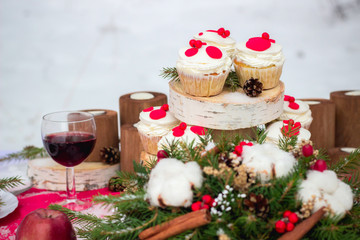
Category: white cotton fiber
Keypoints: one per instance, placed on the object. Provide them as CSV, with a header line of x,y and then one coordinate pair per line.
x,y
326,180
171,181
329,191
263,157
193,171
307,190
345,195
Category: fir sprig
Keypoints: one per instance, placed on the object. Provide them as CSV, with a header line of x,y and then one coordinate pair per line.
x,y
169,73
232,81
28,152
10,182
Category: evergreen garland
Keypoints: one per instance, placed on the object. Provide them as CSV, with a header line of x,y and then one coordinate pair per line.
x,y
134,214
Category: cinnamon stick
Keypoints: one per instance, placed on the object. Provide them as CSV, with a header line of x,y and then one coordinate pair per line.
x,y
177,225
301,229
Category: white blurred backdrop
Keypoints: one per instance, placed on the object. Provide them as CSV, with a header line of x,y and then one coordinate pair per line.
x,y
69,55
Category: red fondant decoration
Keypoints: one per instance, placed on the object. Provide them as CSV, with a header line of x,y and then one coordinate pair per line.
x,y
177,132
221,31
214,52
226,34
290,128
165,107
183,126
200,34
157,114
260,43
148,109
294,105
198,130
192,42
191,52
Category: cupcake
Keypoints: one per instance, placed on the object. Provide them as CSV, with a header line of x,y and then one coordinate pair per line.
x,y
275,129
183,134
260,58
202,69
155,122
219,38
297,110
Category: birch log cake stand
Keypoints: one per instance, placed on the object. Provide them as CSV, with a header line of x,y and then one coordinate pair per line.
x,y
229,112
45,173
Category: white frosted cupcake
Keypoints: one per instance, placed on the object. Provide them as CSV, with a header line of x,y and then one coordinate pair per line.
x,y
219,38
260,58
297,110
202,69
154,123
274,132
182,134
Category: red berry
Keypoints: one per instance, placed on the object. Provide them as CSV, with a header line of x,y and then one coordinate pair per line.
x,y
291,122
205,206
196,206
238,150
182,126
165,107
198,44
265,35
192,42
320,165
221,31
287,213
280,226
162,154
293,218
289,227
307,150
207,199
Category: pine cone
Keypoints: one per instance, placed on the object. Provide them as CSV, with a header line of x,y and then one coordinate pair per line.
x,y
253,87
257,204
224,158
114,185
110,155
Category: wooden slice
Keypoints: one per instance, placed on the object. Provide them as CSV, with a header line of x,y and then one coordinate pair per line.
x,y
347,116
322,127
45,173
130,105
131,147
228,110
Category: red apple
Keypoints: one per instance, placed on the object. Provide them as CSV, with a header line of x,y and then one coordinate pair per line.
x,y
45,224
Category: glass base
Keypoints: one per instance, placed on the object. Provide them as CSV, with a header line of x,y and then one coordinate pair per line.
x,y
75,204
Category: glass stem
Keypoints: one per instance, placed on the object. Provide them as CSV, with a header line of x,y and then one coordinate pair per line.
x,y
70,184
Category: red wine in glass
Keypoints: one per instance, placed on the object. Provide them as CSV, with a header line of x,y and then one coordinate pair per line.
x,y
69,138
69,148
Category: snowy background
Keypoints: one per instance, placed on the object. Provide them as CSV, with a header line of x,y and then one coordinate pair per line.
x,y
69,55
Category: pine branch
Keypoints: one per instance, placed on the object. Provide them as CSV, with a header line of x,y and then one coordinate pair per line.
x,y
169,73
29,152
349,164
232,81
260,134
10,182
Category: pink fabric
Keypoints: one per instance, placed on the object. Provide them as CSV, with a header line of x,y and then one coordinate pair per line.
x,y
34,199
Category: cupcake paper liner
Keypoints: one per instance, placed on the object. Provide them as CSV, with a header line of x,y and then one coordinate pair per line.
x,y
201,85
269,76
149,142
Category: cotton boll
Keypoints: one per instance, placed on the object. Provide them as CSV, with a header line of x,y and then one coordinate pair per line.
x,y
170,183
326,180
177,192
344,195
319,203
307,190
193,173
335,205
264,157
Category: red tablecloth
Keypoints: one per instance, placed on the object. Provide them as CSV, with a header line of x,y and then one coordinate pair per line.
x,y
34,199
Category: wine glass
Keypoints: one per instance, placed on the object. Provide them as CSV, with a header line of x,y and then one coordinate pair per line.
x,y
69,137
